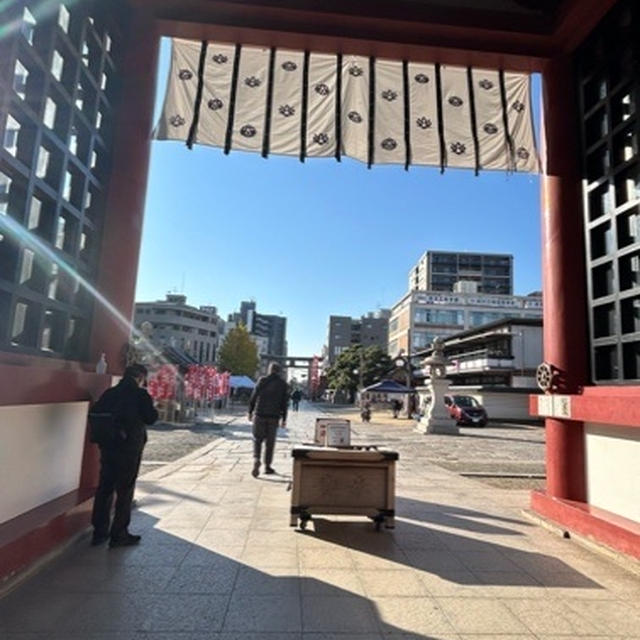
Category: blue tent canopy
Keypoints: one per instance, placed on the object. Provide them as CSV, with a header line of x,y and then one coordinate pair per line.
x,y
241,382
388,386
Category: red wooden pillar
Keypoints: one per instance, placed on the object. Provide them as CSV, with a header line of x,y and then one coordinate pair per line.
x,y
121,237
564,281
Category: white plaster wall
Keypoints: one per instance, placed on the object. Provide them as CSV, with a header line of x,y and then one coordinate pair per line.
x,y
613,469
41,450
500,406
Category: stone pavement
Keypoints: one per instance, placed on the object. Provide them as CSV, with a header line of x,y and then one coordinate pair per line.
x,y
219,561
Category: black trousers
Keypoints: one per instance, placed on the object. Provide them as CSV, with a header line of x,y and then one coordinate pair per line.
x,y
264,429
118,472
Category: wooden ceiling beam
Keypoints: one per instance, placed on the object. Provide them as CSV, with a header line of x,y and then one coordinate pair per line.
x,y
464,37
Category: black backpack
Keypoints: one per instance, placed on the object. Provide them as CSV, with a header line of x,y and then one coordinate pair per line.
x,y
105,427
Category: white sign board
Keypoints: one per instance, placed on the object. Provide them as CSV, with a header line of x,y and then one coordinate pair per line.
x,y
554,406
332,433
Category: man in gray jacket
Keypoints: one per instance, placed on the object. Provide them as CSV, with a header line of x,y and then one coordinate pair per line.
x,y
267,409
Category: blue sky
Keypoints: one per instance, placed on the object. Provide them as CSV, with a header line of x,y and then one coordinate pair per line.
x,y
321,238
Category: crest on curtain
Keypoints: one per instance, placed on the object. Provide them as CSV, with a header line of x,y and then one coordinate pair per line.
x,y
377,111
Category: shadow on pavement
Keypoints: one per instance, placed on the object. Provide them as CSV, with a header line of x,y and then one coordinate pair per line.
x,y
455,517
501,438
457,558
168,585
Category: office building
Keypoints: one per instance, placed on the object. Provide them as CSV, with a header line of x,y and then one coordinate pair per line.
x,y
453,270
174,323
369,330
420,316
272,327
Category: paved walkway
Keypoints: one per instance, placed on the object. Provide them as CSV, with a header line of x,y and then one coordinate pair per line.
x,y
218,561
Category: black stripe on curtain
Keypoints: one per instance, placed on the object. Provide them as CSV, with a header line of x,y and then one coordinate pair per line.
x,y
511,161
266,139
474,121
372,111
443,148
338,152
198,101
407,114
232,99
305,106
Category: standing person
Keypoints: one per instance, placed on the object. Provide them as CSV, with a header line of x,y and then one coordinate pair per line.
x,y
268,402
396,407
296,396
130,408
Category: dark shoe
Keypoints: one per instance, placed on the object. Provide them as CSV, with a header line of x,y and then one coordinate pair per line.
x,y
270,470
128,540
97,540
255,472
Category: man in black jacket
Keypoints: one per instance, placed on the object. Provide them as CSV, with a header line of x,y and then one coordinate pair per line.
x,y
268,402
132,409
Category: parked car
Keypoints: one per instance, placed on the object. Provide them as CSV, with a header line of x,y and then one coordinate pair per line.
x,y
466,410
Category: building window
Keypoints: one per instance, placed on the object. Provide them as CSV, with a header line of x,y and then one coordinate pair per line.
x,y
421,339
42,164
19,322
57,65
11,133
59,242
478,318
34,213
63,18
73,141
49,113
5,186
66,187
20,76
438,316
28,26
26,271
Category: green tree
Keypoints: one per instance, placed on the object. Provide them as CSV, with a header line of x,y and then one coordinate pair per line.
x,y
238,353
372,363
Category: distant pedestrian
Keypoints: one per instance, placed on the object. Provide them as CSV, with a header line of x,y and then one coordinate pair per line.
x,y
296,396
267,409
126,410
396,407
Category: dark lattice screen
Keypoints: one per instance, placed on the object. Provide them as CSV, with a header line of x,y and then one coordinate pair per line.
x,y
58,83
608,76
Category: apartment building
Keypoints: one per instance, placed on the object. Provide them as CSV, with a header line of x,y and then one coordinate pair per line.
x,y
368,330
443,270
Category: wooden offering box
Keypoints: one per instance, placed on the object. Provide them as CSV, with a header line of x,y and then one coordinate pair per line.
x,y
345,481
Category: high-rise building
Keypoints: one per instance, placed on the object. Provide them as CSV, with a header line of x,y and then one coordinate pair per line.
x,y
443,270
369,330
174,323
272,327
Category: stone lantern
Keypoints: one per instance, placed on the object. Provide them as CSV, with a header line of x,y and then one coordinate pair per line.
x,y
435,418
